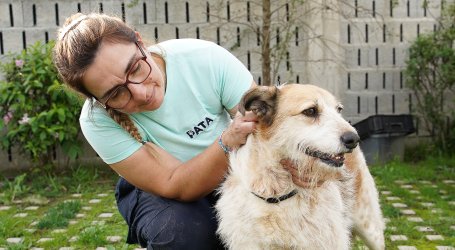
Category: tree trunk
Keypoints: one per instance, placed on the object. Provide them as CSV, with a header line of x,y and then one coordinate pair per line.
x,y
265,48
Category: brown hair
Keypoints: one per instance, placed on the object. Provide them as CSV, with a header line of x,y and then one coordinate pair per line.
x,y
76,47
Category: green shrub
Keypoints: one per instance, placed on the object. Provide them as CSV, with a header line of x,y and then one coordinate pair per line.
x,y
38,111
58,217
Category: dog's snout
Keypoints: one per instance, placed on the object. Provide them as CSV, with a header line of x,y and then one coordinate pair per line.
x,y
350,139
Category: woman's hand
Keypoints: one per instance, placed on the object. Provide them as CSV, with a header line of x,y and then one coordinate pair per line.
x,y
241,126
301,181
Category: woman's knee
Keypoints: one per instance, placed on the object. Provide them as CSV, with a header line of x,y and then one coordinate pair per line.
x,y
181,226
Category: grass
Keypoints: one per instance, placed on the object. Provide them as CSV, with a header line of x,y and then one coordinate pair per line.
x,y
74,199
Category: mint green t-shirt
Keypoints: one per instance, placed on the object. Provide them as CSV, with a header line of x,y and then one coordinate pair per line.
x,y
203,81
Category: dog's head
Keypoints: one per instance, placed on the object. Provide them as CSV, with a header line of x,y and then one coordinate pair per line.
x,y
303,122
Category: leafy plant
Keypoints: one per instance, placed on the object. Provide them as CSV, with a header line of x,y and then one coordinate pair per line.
x,y
93,236
38,112
60,215
14,188
430,74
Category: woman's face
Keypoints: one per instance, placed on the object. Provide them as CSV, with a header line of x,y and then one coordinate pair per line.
x,y
112,64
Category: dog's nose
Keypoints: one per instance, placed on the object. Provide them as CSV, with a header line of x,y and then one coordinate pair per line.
x,y
350,139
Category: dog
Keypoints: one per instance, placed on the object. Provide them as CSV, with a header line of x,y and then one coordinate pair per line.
x,y
260,207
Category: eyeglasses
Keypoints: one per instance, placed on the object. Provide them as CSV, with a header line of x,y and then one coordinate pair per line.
x,y
120,96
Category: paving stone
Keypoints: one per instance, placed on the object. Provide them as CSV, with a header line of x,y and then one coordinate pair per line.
x,y
18,201
105,215
407,186
445,197
398,237
20,215
102,195
140,249
434,186
86,208
427,204
442,191
452,227
31,208
392,198
4,208
36,248
415,219
73,239
30,230
387,220
97,222
424,229
66,248
94,201
15,240
407,212
452,203
59,231
386,192
400,182
44,240
448,181
414,191
434,237
100,248
444,248
34,223
425,182
80,215
407,248
398,205
76,195
72,222
114,238
392,228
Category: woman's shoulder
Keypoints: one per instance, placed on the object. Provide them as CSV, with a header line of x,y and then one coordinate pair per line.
x,y
182,46
92,112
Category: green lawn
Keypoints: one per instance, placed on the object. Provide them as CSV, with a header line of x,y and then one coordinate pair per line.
x,y
76,208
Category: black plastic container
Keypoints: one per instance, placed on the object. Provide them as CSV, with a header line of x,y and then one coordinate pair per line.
x,y
382,137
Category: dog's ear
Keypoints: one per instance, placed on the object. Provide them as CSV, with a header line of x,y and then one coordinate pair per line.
x,y
262,101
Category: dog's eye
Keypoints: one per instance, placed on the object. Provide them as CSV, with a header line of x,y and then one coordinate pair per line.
x,y
311,112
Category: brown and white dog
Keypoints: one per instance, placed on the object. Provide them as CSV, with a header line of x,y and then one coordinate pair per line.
x,y
261,208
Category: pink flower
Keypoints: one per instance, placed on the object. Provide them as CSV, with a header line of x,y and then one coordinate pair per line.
x,y
19,63
25,119
7,118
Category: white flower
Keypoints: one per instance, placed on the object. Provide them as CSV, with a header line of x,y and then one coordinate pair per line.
x,y
25,119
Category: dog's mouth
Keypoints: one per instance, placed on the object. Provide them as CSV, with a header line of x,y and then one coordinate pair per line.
x,y
334,160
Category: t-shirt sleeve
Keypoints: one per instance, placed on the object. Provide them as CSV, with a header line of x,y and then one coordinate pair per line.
x,y
232,76
109,140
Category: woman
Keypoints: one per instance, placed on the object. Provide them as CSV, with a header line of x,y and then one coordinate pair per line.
x,y
160,118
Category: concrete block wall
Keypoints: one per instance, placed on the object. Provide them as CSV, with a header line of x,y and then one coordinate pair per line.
x,y
362,64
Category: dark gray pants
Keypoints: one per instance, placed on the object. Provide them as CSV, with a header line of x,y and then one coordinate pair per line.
x,y
159,223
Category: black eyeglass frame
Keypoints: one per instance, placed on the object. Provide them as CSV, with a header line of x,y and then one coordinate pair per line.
x,y
125,84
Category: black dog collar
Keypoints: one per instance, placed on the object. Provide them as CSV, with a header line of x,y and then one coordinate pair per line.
x,y
277,199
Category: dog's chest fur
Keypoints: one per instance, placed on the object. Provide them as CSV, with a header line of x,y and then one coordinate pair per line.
x,y
304,221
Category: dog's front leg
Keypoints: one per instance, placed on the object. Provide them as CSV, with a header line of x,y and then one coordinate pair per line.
x,y
368,220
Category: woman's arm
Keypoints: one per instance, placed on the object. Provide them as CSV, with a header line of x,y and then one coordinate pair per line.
x,y
154,170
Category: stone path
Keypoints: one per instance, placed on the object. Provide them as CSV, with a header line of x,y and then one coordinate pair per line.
x,y
412,213
100,210
88,203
